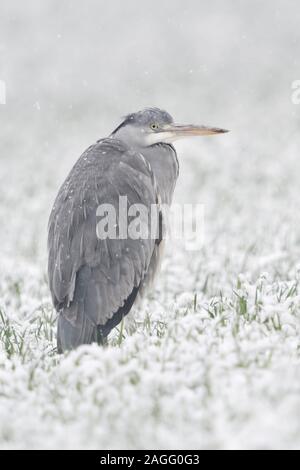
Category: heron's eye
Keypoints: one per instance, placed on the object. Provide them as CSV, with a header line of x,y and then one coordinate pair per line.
x,y
154,126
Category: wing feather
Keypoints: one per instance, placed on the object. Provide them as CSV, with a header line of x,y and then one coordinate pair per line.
x,y
87,274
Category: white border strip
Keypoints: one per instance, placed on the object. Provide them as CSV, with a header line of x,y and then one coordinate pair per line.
x,y
2,92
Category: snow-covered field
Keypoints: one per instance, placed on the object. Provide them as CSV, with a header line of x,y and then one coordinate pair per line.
x,y
212,359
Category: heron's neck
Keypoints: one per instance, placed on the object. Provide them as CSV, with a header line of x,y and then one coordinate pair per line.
x,y
162,159
164,163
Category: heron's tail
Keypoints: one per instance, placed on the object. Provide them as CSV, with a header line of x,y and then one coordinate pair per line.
x,y
75,326
70,336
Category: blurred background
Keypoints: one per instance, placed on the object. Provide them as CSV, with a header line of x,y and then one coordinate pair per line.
x,y
73,69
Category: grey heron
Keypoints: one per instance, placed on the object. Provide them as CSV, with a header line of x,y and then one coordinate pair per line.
x,y
95,281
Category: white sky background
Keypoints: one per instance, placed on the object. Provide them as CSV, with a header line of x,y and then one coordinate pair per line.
x,y
200,60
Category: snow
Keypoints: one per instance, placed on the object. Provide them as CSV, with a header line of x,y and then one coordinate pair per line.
x,y
212,357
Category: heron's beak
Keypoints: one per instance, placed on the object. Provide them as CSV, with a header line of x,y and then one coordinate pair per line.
x,y
177,131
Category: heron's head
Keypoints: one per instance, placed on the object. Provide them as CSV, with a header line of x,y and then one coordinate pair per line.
x,y
152,126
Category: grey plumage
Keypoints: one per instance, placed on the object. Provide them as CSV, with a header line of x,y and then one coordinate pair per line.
x,y
95,282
